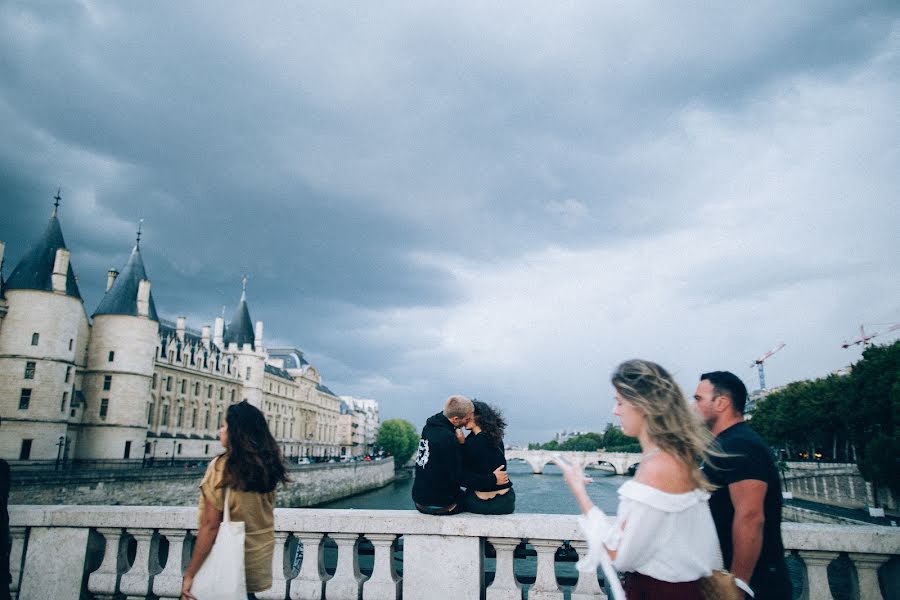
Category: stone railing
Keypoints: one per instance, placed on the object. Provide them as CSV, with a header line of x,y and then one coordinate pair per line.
x,y
72,552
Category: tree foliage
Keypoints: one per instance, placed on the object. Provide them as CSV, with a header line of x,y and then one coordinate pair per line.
x,y
399,438
853,418
611,440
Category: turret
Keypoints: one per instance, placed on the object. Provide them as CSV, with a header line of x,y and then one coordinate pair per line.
x,y
241,342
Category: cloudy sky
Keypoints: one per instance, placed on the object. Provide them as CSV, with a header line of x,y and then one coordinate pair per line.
x,y
503,200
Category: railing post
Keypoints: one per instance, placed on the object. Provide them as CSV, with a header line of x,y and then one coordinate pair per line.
x,y
545,585
817,562
104,579
442,566
588,587
867,573
54,563
504,586
135,583
168,583
16,554
279,584
383,584
346,581
308,583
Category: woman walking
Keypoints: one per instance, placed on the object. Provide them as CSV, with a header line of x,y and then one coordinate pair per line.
x,y
482,454
249,470
663,538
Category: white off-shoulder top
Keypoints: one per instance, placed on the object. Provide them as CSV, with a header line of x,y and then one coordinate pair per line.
x,y
670,537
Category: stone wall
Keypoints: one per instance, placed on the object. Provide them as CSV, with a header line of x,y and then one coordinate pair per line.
x,y
310,485
837,485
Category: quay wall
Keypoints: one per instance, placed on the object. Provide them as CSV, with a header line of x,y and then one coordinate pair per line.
x,y
836,485
309,485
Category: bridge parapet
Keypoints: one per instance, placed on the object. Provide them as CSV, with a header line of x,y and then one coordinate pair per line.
x,y
67,552
538,459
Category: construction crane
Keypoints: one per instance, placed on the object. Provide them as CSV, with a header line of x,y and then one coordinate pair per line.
x,y
758,363
864,338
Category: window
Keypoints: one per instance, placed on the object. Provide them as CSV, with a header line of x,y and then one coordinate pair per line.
x,y
183,385
107,382
127,450
219,420
25,399
104,407
248,373
194,418
179,416
232,396
153,385
206,449
221,392
150,414
62,405
169,383
35,337
209,391
179,448
110,358
29,369
25,451
164,419
197,388
70,343
68,374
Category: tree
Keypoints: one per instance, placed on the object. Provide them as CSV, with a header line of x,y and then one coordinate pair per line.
x,y
399,438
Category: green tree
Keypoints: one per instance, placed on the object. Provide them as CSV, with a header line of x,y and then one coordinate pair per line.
x,y
399,438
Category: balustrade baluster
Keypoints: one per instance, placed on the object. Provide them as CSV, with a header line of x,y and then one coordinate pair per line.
x,y
135,583
308,583
545,585
384,583
103,580
867,573
817,562
279,583
504,586
168,583
16,554
588,587
346,581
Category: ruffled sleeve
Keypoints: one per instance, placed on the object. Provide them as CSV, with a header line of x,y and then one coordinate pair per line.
x,y
594,526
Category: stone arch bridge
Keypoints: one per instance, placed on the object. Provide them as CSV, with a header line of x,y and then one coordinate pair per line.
x,y
621,462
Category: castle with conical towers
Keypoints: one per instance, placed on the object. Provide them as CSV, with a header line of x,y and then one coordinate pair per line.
x,y
127,384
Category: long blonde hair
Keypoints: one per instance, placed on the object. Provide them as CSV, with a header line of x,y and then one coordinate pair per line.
x,y
671,424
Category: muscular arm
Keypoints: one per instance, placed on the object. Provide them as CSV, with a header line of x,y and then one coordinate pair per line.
x,y
747,528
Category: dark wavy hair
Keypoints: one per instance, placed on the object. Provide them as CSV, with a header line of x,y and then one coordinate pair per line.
x,y
253,460
491,421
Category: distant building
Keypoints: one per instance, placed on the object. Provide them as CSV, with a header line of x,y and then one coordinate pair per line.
x,y
125,383
368,422
561,437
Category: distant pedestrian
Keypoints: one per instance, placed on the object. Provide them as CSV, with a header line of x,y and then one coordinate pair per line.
x,y
663,538
746,505
482,455
252,467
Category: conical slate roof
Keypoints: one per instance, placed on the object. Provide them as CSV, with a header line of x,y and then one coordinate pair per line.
x,y
240,330
35,270
121,298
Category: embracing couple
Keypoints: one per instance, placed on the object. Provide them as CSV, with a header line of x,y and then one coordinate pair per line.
x,y
447,461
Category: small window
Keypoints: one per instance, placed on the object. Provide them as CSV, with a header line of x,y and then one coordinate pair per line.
x,y
209,391
219,420
62,405
107,382
104,407
169,383
232,396
25,451
127,450
110,358
164,418
150,414
68,374
155,381
35,338
71,341
179,416
206,420
29,369
206,449
248,373
24,398
72,413
197,388
221,392
194,418
179,448
183,385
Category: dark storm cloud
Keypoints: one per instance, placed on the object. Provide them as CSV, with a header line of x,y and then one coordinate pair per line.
x,y
412,190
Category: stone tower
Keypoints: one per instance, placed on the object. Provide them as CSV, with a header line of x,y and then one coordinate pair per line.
x,y
120,361
43,347
245,346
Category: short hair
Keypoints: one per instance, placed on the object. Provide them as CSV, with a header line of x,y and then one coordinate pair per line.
x,y
726,383
458,406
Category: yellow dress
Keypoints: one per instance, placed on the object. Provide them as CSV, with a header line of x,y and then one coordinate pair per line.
x,y
257,511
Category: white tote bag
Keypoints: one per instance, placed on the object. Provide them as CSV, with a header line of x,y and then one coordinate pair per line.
x,y
221,576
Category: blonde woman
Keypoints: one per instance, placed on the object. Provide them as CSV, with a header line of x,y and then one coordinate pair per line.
x,y
663,538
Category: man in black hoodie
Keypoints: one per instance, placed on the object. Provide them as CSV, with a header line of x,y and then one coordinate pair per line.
x,y
439,473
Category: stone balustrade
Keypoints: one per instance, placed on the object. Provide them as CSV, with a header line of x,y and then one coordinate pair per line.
x,y
71,552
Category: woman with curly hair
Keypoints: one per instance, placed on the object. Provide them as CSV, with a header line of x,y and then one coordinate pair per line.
x,y
249,470
482,454
663,538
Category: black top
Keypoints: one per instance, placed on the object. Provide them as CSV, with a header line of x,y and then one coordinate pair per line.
x,y
482,456
439,472
751,459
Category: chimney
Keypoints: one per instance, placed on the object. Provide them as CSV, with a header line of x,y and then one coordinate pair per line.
x,y
143,298
60,270
258,338
205,338
218,331
179,327
110,278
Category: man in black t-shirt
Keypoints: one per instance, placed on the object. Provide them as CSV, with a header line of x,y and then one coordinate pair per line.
x,y
746,505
